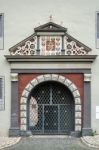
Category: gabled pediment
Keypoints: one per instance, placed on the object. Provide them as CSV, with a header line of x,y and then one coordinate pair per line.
x,y
49,27
50,43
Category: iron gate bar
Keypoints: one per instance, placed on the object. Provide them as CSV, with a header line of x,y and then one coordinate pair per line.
x,y
58,118
51,95
43,119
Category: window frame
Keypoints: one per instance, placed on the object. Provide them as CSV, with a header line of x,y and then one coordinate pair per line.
x,y
96,39
2,14
2,100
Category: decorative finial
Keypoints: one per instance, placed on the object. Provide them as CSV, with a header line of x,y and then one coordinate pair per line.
x,y
51,18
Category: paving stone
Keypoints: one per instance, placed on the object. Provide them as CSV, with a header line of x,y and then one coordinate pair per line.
x,y
6,141
50,143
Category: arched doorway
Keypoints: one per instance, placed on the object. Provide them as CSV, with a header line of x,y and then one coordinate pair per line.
x,y
50,82
51,109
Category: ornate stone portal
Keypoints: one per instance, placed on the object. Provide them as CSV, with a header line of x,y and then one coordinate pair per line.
x,y
50,77
50,39
50,54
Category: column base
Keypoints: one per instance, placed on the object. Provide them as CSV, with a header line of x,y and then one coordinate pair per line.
x,y
14,132
86,132
76,133
25,133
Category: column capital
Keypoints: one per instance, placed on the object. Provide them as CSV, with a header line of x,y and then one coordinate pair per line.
x,y
14,77
87,77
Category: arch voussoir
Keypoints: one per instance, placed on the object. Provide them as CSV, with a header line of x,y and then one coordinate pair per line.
x,y
40,78
29,87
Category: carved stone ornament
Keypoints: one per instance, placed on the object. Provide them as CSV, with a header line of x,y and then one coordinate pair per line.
x,y
50,39
14,76
73,48
87,77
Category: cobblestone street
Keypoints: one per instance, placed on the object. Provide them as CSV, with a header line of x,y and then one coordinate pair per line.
x,y
50,143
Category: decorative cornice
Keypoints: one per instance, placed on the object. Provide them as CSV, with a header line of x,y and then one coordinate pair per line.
x,y
52,58
87,77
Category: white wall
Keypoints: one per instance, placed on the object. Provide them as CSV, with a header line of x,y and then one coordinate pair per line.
x,y
20,18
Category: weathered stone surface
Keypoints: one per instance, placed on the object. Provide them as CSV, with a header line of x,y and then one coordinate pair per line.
x,y
40,78
29,87
78,128
22,107
34,82
23,100
23,127
87,77
23,114
54,77
23,121
61,79
47,77
77,100
25,93
77,114
76,93
67,82
78,108
14,77
72,87
77,121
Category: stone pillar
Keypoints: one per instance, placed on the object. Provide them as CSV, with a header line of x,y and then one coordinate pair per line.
x,y
62,50
38,44
14,128
86,130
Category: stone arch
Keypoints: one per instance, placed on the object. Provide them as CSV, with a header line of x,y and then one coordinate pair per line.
x,y
50,77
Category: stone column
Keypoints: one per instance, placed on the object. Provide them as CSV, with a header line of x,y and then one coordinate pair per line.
x,y
86,130
14,128
38,45
62,50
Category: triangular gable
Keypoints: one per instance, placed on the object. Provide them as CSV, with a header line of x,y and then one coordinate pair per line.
x,y
50,26
29,46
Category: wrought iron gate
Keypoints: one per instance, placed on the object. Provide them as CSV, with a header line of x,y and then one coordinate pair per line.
x,y
51,109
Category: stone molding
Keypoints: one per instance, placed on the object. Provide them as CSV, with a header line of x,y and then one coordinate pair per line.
x,y
87,77
51,58
14,77
50,77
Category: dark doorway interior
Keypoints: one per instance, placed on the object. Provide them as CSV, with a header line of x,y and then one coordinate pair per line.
x,y
55,111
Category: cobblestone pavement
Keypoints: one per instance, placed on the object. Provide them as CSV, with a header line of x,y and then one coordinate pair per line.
x,y
50,143
91,141
6,141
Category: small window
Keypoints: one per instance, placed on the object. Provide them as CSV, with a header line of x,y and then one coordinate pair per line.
x,y
1,31
1,93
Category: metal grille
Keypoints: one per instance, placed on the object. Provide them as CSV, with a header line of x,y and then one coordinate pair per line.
x,y
55,109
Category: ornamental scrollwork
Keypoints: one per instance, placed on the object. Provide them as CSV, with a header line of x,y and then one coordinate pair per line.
x,y
72,48
28,48
50,45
